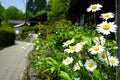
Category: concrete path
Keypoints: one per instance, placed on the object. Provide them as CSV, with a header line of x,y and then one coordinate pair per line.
x,y
12,61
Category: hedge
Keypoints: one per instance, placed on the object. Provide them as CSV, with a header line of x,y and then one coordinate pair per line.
x,y
7,36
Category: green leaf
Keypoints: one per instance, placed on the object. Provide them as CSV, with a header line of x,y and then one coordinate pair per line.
x,y
97,74
65,76
50,69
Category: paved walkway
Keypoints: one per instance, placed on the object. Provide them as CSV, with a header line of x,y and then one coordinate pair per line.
x,y
12,61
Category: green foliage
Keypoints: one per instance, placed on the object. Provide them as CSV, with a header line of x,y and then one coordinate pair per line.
x,y
29,14
39,5
29,6
7,36
41,12
65,76
27,30
58,9
48,54
2,12
36,5
14,13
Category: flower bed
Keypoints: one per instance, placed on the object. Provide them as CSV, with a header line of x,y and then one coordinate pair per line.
x,y
75,54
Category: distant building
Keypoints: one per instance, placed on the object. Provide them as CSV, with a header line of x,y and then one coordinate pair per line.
x,y
31,22
17,25
38,19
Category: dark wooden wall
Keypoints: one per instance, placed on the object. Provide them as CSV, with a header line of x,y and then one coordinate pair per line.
x,y
78,7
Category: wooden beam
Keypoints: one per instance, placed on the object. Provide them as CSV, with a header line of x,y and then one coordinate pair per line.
x,y
118,37
16,21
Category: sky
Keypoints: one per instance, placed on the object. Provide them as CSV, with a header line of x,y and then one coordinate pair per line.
x,y
20,4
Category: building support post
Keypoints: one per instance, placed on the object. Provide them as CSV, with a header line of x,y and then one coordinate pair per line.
x,y
117,8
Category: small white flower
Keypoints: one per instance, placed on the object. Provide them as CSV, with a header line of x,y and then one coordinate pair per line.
x,y
37,41
96,49
68,61
106,27
39,33
103,56
73,49
77,66
94,7
99,40
68,42
37,48
113,61
77,78
115,47
107,16
90,65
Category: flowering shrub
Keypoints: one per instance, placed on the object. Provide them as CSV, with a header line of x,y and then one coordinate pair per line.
x,y
75,54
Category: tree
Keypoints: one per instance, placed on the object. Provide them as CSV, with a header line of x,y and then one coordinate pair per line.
x,y
58,9
35,5
29,14
2,12
13,13
39,5
29,6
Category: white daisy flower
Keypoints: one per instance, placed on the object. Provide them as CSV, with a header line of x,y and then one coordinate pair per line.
x,y
68,42
113,61
81,43
77,66
107,16
68,61
94,7
90,65
96,49
99,40
103,56
73,49
106,27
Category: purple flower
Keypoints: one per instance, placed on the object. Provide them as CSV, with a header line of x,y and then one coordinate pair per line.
x,y
49,50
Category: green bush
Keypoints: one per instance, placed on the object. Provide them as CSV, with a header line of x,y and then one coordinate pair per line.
x,y
7,36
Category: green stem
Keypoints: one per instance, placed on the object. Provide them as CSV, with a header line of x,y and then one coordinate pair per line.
x,y
95,19
107,55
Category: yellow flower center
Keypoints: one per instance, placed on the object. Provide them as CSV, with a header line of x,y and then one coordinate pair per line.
x,y
77,66
100,39
112,61
93,6
106,27
107,15
104,55
90,65
73,48
68,41
67,60
96,48
81,42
